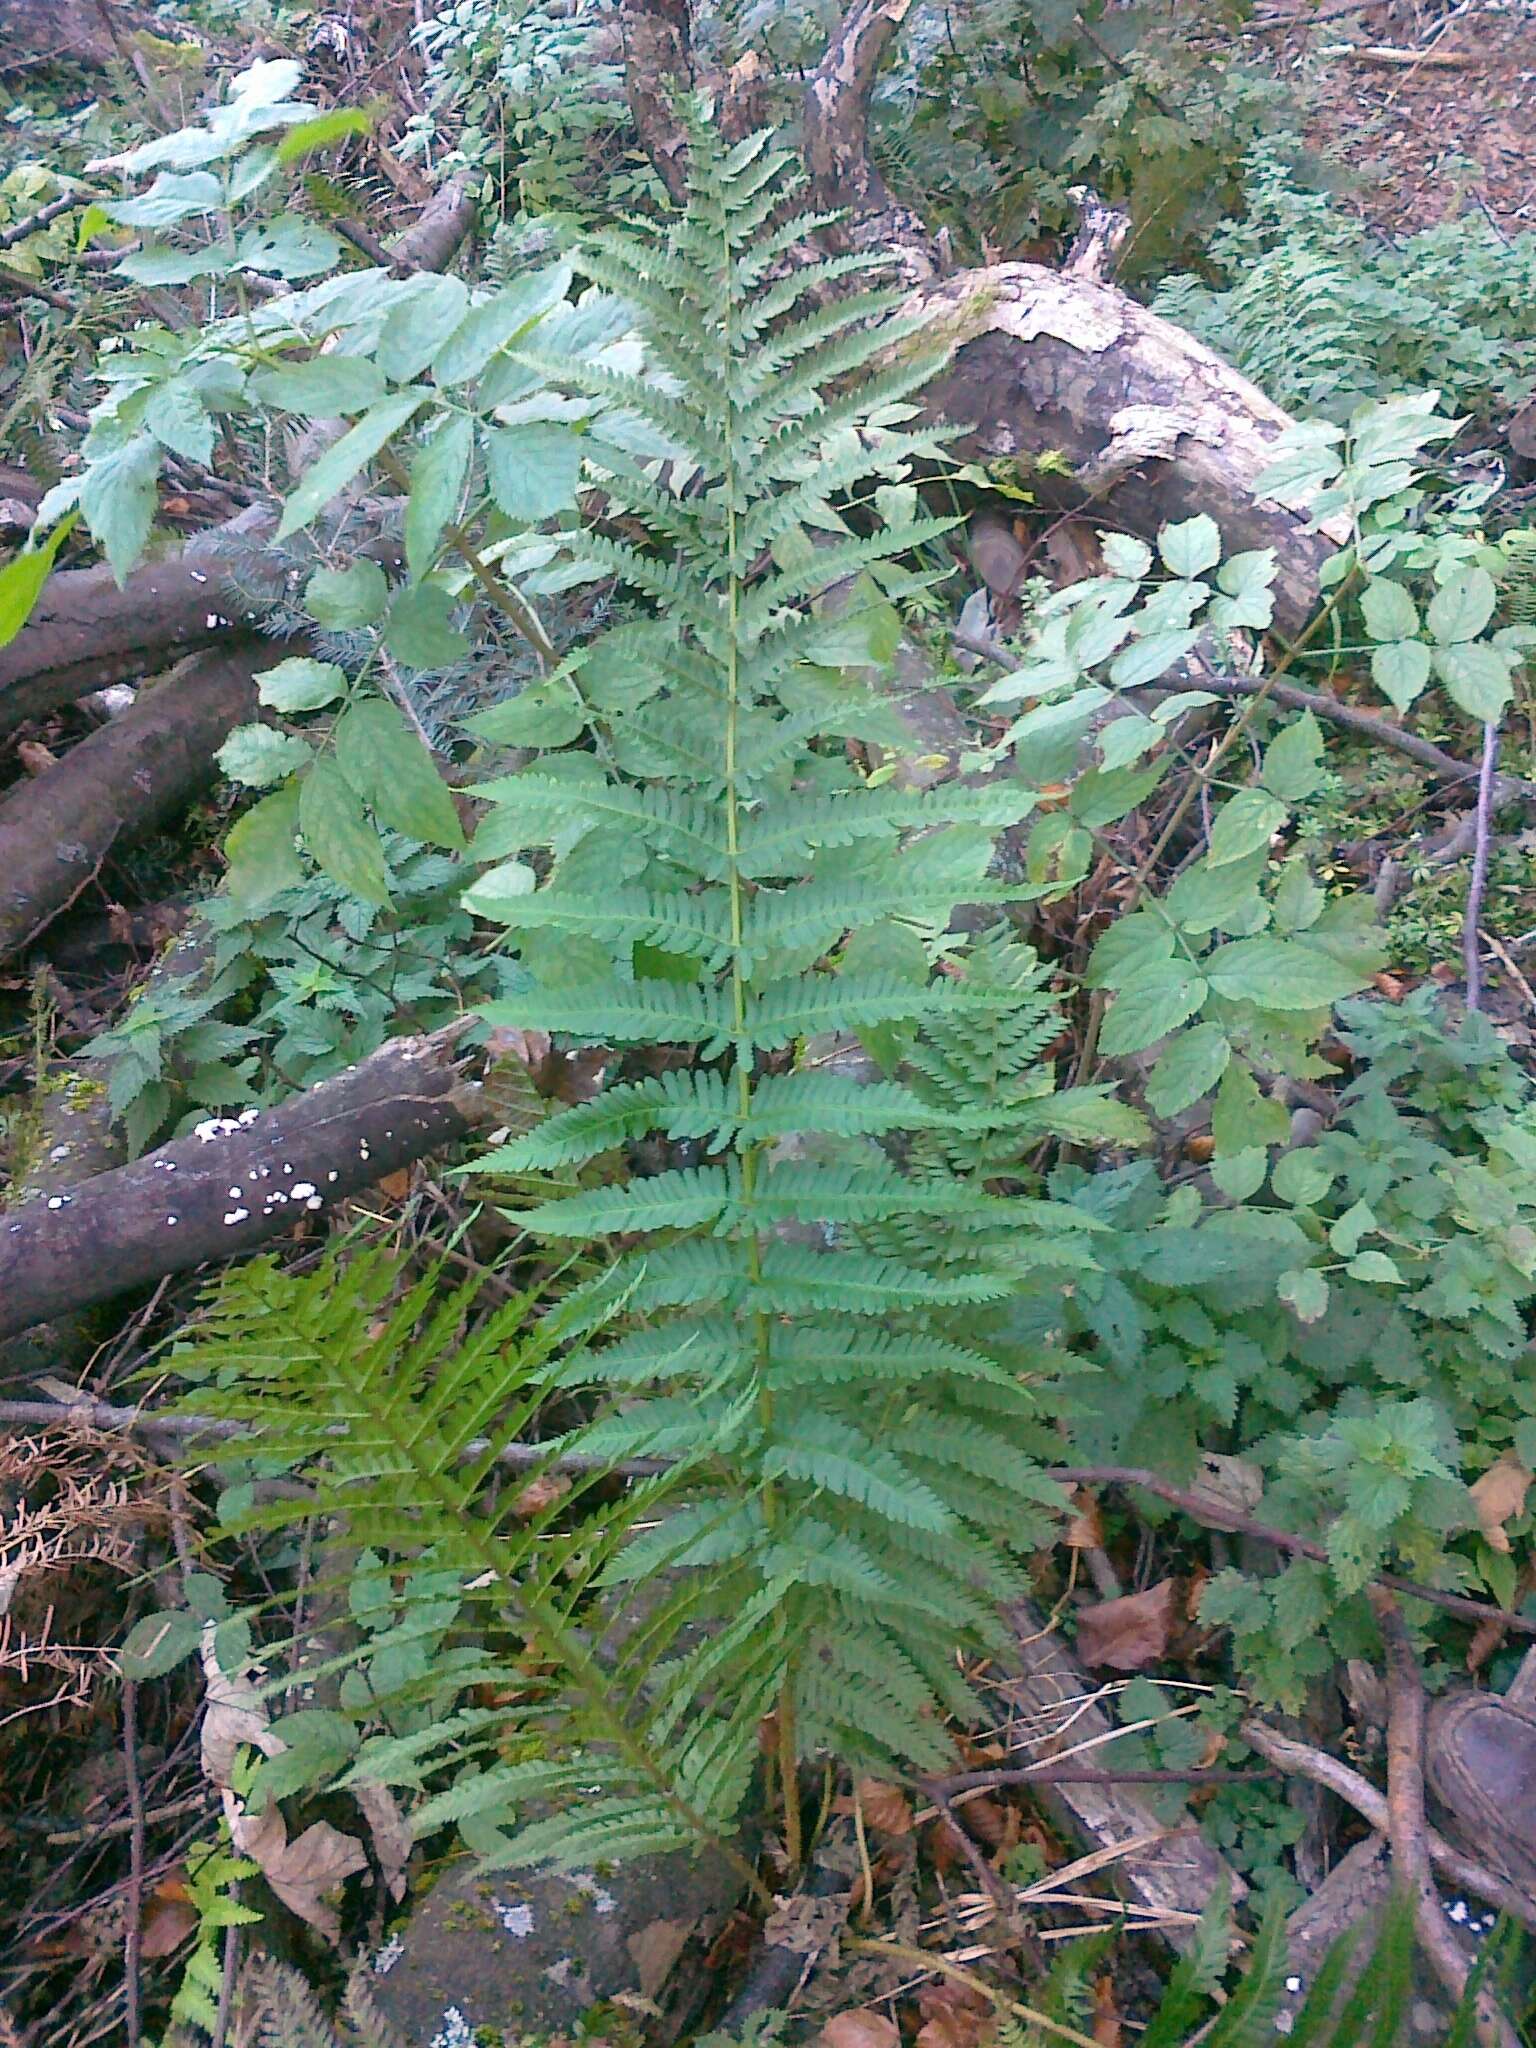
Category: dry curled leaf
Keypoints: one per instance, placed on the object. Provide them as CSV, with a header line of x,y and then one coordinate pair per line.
x,y
235,1716
886,1808
861,2029
388,1830
655,1950
1499,1497
1131,1633
1229,1483
950,2020
302,1871
1085,1524
539,1494
164,1926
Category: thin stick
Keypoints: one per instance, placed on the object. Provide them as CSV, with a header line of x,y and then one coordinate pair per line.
x,y
1407,1829
134,1905
228,1979
1301,1760
1205,1508
1477,888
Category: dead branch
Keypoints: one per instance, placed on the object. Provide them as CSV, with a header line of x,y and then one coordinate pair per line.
x,y
87,632
1407,1829
1381,732
57,828
1301,1760
1215,1514
235,1183
836,114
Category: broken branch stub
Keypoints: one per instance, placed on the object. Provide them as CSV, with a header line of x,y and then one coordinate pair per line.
x,y
234,1183
1098,401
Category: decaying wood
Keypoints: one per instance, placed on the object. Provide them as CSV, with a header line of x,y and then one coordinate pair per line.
x,y
1150,424
86,631
234,1184
57,828
66,1134
1050,1710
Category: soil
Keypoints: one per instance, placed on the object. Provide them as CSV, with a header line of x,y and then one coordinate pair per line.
x,y
1428,104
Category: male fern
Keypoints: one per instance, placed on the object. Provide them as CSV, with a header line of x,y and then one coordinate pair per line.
x,y
725,883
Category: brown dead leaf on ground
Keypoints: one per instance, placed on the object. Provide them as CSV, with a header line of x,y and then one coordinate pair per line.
x,y
1128,1634
954,2016
886,1808
164,1926
861,2029
539,1494
1499,1497
1108,2021
655,1950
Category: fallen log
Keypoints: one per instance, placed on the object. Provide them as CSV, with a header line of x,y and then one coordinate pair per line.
x,y
1147,424
86,632
234,1183
56,829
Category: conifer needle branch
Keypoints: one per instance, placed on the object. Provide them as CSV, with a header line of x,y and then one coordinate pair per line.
x,y
1407,1829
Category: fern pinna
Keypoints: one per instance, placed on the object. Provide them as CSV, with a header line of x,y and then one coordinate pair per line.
x,y
724,882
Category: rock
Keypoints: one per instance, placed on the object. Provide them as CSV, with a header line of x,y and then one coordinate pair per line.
x,y
529,1954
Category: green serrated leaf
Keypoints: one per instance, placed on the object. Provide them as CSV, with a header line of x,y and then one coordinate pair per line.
x,y
390,769
260,852
336,831
157,1643
1244,824
258,756
300,684
533,470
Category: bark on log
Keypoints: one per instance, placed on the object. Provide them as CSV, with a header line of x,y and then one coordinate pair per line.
x,y
1153,424
234,1184
86,632
56,830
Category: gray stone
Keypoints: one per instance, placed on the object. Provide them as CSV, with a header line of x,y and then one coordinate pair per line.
x,y
522,1954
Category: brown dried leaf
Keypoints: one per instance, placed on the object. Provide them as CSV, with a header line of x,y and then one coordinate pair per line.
x,y
1499,1497
539,1494
886,1808
861,2029
1128,1634
388,1831
1229,1482
655,1950
165,1925
302,1871
1107,2028
1085,1525
950,2028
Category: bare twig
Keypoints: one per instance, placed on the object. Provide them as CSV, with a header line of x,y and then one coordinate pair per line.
x,y
1407,1829
1205,1508
1301,1760
134,1906
1477,888
194,1430
19,230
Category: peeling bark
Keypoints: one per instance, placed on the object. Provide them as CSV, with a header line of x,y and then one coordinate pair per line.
x,y
234,1184
1153,425
57,829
